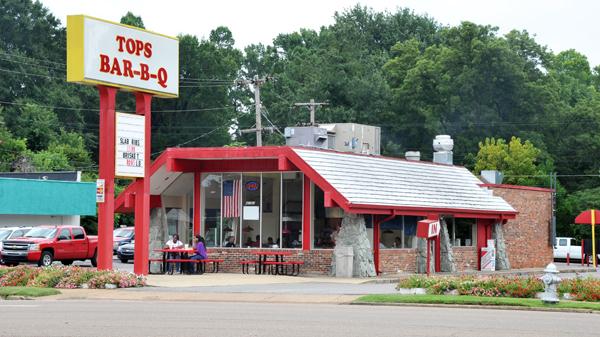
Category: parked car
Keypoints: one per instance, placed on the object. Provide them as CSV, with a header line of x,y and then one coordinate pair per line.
x,y
125,252
46,244
7,233
564,245
122,236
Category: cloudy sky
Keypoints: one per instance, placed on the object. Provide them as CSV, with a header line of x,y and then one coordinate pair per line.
x,y
559,24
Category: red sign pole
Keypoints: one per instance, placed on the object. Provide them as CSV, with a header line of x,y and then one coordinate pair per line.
x,y
143,103
106,209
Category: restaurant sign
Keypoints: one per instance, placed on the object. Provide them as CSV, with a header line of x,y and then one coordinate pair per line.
x,y
104,52
130,149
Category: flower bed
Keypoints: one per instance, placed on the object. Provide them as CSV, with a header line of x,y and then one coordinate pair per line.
x,y
583,289
67,277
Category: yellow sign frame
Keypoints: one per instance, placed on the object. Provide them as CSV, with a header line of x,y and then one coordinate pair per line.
x,y
75,55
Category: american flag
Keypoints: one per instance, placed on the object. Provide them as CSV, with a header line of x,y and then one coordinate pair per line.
x,y
231,198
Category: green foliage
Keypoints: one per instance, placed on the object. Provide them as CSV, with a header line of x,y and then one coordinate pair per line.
x,y
517,160
132,20
476,300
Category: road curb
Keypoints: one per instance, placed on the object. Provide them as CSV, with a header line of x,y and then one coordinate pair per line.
x,y
476,306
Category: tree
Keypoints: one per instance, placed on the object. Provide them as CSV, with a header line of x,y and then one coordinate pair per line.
x,y
517,160
132,20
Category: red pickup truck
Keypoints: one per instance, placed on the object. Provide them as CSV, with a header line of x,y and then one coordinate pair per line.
x,y
46,244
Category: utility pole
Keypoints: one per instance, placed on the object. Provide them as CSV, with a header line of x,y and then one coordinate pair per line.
x,y
256,82
312,105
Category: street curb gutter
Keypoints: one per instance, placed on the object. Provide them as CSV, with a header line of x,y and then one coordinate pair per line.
x,y
476,306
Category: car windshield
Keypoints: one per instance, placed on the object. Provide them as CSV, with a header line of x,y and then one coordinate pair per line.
x,y
123,233
4,234
45,233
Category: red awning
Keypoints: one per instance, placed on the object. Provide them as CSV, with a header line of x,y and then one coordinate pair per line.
x,y
585,217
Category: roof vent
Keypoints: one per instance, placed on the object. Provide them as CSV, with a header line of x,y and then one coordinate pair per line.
x,y
442,147
412,155
492,176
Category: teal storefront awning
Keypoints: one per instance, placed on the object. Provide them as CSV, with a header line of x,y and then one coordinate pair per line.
x,y
47,197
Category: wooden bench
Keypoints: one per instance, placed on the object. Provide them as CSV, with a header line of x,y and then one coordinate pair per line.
x,y
246,265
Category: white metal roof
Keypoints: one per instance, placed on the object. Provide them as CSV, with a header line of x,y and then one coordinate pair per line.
x,y
374,180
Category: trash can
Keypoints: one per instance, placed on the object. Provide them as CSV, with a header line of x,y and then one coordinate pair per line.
x,y
344,261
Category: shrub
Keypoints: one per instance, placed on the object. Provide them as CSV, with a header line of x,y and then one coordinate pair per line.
x,y
18,276
66,277
582,289
490,286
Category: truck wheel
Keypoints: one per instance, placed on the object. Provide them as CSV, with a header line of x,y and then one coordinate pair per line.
x,y
67,262
94,259
46,259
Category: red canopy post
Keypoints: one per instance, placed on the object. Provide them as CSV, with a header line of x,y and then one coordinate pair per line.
x,y
590,217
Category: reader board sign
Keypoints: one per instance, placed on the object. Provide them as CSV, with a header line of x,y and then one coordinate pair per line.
x,y
109,53
129,152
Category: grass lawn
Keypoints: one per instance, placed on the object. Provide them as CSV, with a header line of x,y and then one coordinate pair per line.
x,y
27,291
474,300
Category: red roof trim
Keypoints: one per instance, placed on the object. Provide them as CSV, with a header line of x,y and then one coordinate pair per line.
x,y
365,208
518,187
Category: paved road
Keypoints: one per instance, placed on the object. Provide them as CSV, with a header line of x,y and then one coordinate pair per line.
x,y
122,318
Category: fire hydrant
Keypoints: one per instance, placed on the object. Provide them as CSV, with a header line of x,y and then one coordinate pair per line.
x,y
551,281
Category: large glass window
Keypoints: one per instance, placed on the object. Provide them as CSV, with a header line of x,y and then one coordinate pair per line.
x,y
399,232
252,209
211,208
291,209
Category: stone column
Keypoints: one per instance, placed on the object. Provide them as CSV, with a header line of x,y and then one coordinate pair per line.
x,y
446,254
422,257
353,233
158,225
502,261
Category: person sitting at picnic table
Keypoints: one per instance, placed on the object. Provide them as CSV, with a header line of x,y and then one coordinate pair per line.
x,y
199,250
269,243
174,243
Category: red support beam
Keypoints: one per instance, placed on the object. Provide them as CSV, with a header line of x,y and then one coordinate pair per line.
x,y
106,209
376,225
143,105
306,218
197,203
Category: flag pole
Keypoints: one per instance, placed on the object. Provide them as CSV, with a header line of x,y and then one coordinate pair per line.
x,y
594,237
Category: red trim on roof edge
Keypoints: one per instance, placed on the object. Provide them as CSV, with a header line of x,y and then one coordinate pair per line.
x,y
518,187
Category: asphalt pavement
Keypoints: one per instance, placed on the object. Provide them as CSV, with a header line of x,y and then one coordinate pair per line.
x,y
150,318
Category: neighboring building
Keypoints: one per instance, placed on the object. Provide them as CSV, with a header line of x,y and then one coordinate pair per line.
x,y
44,199
297,196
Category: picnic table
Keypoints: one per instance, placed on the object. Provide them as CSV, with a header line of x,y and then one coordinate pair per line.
x,y
184,258
263,262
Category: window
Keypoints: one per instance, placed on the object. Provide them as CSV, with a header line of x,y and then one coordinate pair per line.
x,y
78,234
231,208
211,208
252,209
64,234
461,231
562,242
399,232
18,233
291,209
325,221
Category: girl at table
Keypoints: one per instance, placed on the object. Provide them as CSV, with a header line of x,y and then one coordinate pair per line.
x,y
199,250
